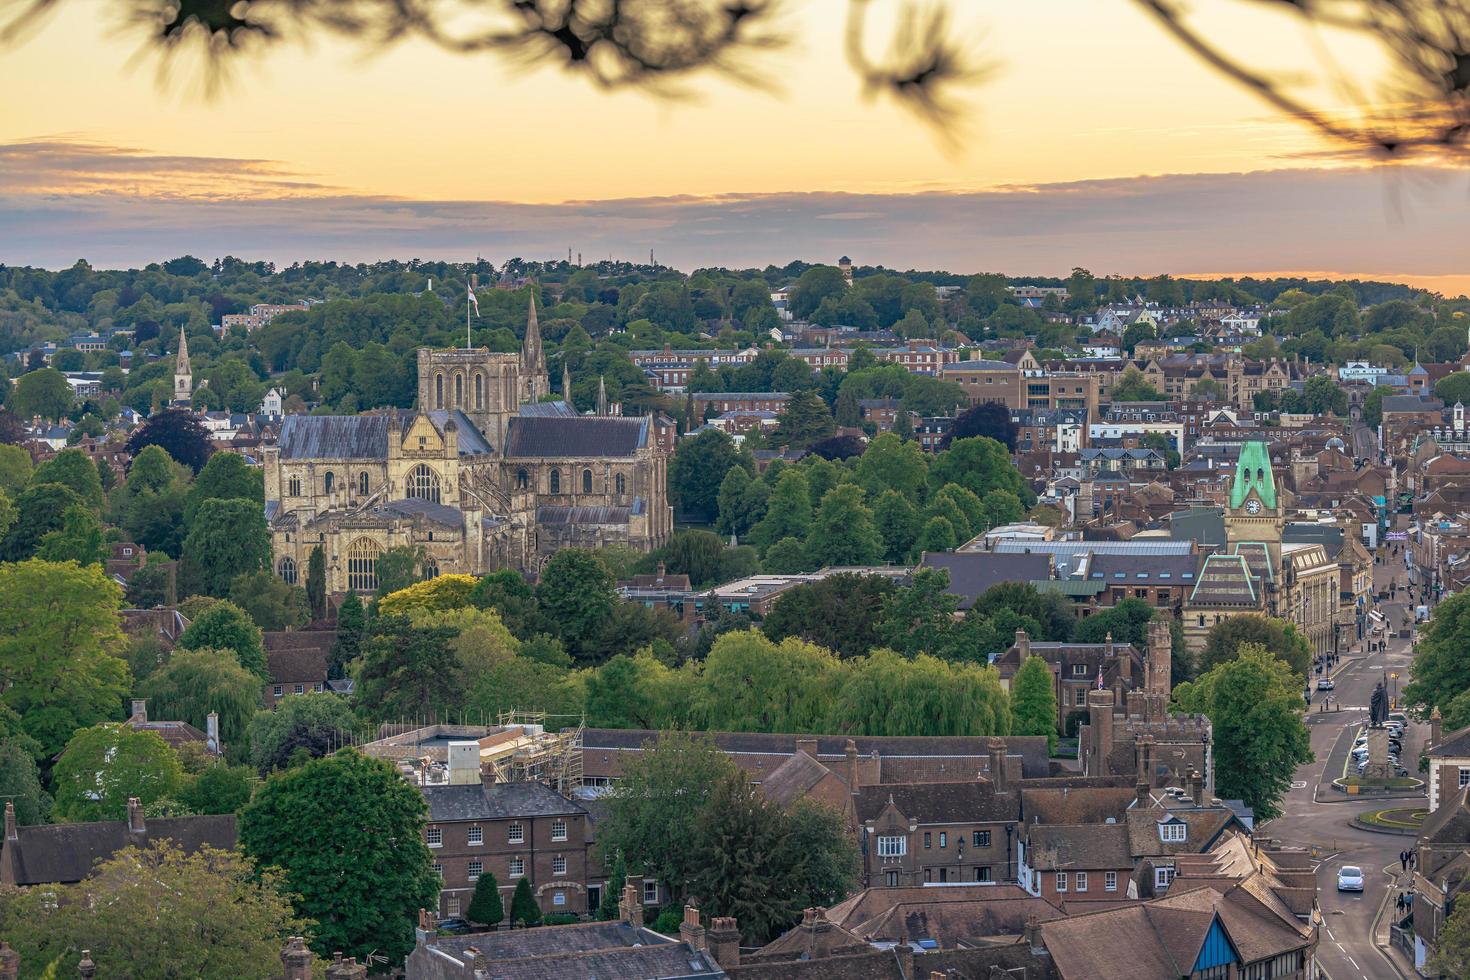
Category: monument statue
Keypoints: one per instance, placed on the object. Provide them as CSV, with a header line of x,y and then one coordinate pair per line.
x,y
1378,706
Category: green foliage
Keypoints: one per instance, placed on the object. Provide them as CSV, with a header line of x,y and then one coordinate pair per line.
x,y
146,913
274,605
1277,636
44,393
225,626
20,783
227,539
788,511
351,628
702,556
840,612
523,907
78,539
1373,404
177,432
1127,622
1450,389
225,477
39,510
886,694
980,465
697,470
195,682
60,643
348,833
607,909
72,468
15,470
316,584
843,532
318,723
1034,701
1052,611
1255,707
219,789
105,765
787,557
398,568
486,907
577,595
1132,386
805,420
1452,946
407,672
149,505
508,593
1441,671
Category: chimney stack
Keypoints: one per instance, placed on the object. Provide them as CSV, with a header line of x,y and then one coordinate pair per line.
x,y
211,733
10,831
1197,787
1435,721
140,710
808,745
346,969
631,907
690,930
9,962
136,824
724,941
1141,795
1023,645
1160,659
850,750
1033,933
86,969
296,960
996,748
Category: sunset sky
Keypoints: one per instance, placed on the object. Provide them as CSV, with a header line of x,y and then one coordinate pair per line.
x,y
1097,141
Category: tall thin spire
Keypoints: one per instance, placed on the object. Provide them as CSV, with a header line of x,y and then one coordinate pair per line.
x,y
566,382
601,395
183,375
533,358
181,365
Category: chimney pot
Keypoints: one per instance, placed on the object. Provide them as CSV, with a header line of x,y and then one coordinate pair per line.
x,y
140,710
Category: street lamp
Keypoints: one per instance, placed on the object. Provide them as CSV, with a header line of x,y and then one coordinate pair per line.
x,y
1393,691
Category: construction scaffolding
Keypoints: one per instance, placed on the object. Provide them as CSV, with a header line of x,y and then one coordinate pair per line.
x,y
524,751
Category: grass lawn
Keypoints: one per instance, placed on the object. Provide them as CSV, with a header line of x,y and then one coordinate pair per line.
x,y
1402,818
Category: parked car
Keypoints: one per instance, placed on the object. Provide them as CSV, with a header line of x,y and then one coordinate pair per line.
x,y
454,927
1349,878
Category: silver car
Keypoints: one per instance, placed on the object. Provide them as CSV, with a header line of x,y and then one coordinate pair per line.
x,y
1349,878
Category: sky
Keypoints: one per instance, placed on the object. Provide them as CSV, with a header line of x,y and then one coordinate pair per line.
x,y
1094,140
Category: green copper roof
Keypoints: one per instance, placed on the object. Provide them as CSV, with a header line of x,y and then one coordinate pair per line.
x,y
1253,470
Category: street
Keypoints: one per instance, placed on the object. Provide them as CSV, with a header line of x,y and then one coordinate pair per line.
x,y
1316,816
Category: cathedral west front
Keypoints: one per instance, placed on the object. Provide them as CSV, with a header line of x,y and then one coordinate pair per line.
x,y
485,473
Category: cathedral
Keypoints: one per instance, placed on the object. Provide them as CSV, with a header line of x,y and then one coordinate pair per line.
x,y
486,473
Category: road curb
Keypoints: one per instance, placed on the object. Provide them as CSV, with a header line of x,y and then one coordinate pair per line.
x,y
1383,949
1373,829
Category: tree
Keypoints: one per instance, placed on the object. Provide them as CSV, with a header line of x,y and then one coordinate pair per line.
x,y
78,539
1373,404
227,539
1255,706
316,585
60,642
752,684
523,907
653,810
888,694
72,468
15,470
1132,334
149,506
921,617
738,835
818,861
607,909
814,285
980,465
1127,622
512,598
225,477
20,783
990,419
696,471
805,420
1322,396
843,532
177,432
273,604
407,671
1052,611
39,510
1449,389
788,511
316,723
938,534
892,464
439,594
1277,636
1452,945
1134,387
1440,670
786,557
225,626
840,613
43,393
577,594
897,522
1034,701
152,913
733,517
219,789
195,682
485,905
348,833
104,766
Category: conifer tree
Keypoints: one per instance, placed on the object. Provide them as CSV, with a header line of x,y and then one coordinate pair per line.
x,y
523,907
1034,701
316,583
607,909
486,907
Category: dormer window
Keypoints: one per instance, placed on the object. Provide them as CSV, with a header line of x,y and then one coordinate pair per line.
x,y
1173,831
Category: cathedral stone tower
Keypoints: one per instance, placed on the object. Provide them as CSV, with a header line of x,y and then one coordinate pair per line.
x,y
533,360
183,376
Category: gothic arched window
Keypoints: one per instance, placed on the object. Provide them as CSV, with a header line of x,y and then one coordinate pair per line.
x,y
362,565
423,484
459,391
479,391
293,487
438,391
523,479
288,570
586,481
430,568
620,485
555,481
362,484
327,483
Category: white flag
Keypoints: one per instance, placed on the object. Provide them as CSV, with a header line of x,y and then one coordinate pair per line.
x,y
470,291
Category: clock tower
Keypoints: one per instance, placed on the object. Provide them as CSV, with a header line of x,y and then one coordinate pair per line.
x,y
1254,510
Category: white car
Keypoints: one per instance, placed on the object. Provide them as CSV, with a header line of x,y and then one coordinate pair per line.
x,y
1349,878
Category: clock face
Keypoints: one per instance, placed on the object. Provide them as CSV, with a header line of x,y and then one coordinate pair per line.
x,y
1253,506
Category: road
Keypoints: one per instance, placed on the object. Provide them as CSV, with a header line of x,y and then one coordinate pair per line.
x,y
1316,816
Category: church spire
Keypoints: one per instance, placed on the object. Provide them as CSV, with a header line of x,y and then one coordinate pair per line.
x,y
533,358
566,382
183,375
601,395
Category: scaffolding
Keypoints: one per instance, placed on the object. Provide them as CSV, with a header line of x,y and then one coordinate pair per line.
x,y
535,755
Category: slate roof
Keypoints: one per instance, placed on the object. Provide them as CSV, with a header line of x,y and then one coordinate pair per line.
x,y
522,943
497,801
1057,847
1411,403
418,507
1456,744
669,959
972,573
556,409
1150,569
364,436
67,852
560,514
582,436
1224,580
792,779
1069,805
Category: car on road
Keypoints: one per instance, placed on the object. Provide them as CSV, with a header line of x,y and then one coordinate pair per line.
x,y
1349,878
1325,684
454,926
